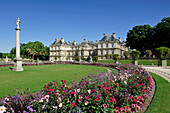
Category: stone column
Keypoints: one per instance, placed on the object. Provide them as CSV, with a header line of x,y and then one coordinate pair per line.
x,y
18,59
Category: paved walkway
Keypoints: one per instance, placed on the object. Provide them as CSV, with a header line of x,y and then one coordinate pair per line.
x,y
162,71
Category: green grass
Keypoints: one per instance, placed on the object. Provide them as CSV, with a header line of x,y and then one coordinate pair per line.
x,y
35,77
140,62
161,100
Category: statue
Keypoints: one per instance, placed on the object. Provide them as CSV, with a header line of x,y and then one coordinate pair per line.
x,y
18,22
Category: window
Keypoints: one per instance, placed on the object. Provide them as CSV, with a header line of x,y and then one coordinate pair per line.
x,y
107,52
112,51
101,45
106,45
112,45
101,52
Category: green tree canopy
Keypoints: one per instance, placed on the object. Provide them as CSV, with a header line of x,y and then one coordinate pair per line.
x,y
162,53
140,37
162,33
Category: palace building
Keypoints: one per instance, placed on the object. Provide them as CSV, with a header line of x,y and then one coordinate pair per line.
x,y
67,51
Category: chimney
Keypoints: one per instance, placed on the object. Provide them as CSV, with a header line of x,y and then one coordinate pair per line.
x,y
84,39
104,34
56,39
74,42
119,39
114,35
96,41
62,40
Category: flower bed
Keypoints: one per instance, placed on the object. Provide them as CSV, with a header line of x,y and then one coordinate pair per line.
x,y
125,91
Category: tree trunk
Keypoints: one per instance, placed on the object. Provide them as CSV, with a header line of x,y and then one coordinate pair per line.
x,y
32,57
38,58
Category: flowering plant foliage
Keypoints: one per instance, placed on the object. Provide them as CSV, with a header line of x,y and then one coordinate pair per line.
x,y
124,91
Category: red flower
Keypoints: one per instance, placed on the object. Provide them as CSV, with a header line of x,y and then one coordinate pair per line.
x,y
22,99
73,92
101,86
51,90
64,81
72,104
104,83
93,90
87,97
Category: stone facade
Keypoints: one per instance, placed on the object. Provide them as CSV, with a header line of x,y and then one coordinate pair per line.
x,y
68,51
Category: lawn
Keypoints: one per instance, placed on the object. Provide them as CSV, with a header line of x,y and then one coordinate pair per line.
x,y
35,77
160,102
140,62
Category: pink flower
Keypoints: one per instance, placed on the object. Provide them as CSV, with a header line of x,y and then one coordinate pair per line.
x,y
104,105
72,104
97,98
115,90
64,81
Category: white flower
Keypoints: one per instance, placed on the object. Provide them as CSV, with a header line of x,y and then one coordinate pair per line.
x,y
60,105
6,99
2,109
68,100
55,107
115,79
86,103
78,90
43,107
89,91
125,82
47,96
41,100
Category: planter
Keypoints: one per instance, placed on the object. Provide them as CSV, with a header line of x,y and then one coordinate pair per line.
x,y
135,62
162,63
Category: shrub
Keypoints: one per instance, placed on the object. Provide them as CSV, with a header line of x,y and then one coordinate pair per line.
x,y
83,59
55,58
126,54
115,57
77,58
95,58
135,54
162,53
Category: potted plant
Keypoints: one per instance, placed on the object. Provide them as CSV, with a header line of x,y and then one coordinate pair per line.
x,y
135,55
116,58
162,53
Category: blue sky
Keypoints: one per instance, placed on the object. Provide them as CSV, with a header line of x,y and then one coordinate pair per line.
x,y
43,20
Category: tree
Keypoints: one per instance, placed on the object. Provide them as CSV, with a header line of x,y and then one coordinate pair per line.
x,y
23,51
162,53
126,54
148,53
140,38
115,57
39,48
35,48
135,54
31,49
162,33
1,55
95,58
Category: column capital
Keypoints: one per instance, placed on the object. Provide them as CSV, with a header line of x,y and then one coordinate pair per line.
x,y
17,29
